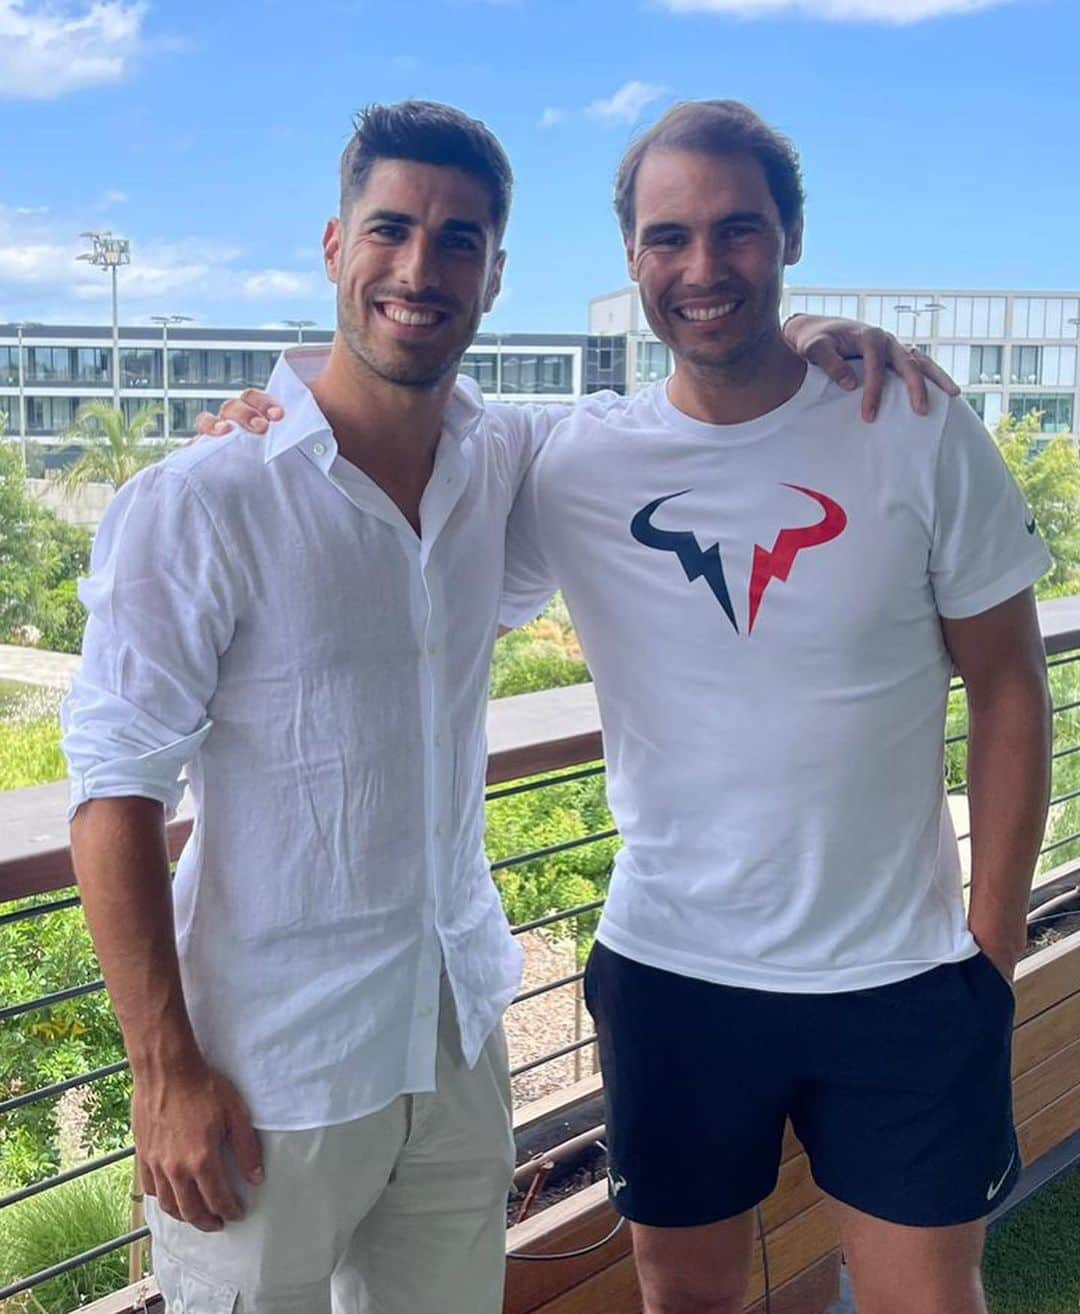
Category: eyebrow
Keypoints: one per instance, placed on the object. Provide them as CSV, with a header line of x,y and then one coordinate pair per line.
x,y
408,220
673,226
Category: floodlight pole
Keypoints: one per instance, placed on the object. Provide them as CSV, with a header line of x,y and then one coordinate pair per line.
x,y
110,253
299,325
165,321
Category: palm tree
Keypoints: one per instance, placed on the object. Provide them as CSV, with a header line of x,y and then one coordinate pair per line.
x,y
116,448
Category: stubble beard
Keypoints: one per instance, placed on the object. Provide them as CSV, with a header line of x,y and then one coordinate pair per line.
x,y
404,373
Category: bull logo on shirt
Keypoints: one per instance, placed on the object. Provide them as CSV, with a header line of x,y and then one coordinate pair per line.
x,y
768,564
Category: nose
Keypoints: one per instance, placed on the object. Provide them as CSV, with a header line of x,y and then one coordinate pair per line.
x,y
417,264
706,263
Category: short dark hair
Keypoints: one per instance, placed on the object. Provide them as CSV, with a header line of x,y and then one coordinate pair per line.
x,y
430,133
716,127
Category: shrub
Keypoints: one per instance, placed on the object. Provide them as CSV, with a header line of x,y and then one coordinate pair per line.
x,y
62,1223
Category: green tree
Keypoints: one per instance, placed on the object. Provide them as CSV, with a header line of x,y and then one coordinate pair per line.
x,y
1048,473
116,448
40,558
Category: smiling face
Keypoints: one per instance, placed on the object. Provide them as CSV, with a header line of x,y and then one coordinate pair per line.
x,y
417,264
708,252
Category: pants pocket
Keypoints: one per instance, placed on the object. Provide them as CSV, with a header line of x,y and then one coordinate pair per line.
x,y
187,1291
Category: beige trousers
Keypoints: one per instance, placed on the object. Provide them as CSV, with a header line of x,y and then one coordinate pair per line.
x,y
399,1212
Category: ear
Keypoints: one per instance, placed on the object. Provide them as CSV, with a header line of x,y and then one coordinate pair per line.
x,y
333,245
793,243
631,258
494,283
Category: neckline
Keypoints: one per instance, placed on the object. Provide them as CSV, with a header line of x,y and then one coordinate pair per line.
x,y
747,431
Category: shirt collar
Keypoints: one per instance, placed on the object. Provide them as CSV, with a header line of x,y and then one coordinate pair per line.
x,y
305,425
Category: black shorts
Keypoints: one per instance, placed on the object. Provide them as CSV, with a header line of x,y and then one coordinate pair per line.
x,y
901,1094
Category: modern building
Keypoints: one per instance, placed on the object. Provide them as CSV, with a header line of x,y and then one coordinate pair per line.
x,y
1011,352
47,371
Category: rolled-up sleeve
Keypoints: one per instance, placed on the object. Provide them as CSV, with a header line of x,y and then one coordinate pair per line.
x,y
162,607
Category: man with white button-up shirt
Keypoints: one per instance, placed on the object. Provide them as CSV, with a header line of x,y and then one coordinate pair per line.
x,y
306,625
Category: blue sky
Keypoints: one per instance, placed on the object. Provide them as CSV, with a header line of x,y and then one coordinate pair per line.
x,y
938,137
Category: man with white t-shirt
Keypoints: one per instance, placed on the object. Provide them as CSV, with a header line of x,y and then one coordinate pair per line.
x,y
771,596
321,1102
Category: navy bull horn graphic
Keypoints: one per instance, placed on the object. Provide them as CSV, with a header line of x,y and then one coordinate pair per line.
x,y
768,564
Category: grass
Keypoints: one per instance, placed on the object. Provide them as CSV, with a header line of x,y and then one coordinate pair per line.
x,y
29,736
58,1225
1033,1259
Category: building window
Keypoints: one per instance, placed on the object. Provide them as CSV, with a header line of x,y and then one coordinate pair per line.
x,y
532,374
140,367
482,367
219,369
977,402
51,415
182,413
653,362
9,366
1056,409
131,406
802,303
1045,317
91,365
1026,365
985,365
605,364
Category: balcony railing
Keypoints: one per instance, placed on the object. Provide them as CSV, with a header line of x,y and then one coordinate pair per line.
x,y
545,752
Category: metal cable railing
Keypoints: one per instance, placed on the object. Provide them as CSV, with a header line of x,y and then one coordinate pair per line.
x,y
571,927
69,997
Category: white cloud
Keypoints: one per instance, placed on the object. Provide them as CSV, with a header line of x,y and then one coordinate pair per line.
x,y
279,284
551,117
113,198
627,104
896,12
50,49
41,278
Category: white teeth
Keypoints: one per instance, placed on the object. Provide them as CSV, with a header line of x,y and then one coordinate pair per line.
x,y
707,312
417,317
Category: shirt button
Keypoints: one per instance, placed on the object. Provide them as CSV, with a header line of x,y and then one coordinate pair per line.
x,y
425,1012
319,449
438,741
433,647
438,831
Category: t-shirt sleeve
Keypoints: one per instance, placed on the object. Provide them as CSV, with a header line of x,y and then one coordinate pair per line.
x,y
528,581
986,546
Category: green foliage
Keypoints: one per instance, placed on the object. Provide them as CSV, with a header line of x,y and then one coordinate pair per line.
x,y
1048,473
542,655
40,558
116,450
37,957
1064,819
540,819
60,1224
29,737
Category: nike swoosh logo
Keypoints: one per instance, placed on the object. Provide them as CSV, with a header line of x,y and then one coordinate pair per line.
x,y
996,1186
1029,525
617,1182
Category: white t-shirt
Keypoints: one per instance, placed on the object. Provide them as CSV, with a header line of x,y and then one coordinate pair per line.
x,y
759,606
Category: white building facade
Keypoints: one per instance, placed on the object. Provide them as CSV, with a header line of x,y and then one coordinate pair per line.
x,y
1011,352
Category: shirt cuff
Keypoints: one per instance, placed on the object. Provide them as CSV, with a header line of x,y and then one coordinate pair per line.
x,y
148,775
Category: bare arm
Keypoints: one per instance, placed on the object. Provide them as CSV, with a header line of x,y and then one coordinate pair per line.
x,y
182,1111
1000,656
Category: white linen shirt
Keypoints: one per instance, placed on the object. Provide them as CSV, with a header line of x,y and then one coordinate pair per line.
x,y
262,612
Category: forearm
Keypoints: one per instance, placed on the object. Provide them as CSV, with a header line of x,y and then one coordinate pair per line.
x,y
1008,793
121,864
